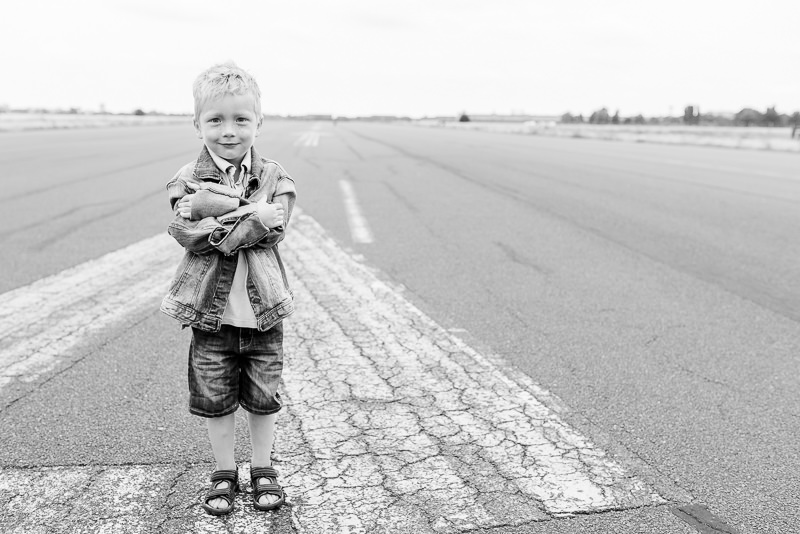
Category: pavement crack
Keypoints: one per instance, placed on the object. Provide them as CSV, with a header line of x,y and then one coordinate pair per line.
x,y
84,177
168,498
520,259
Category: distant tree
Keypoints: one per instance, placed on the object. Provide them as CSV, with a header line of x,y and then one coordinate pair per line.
x,y
689,115
638,119
581,119
717,120
138,112
748,116
464,117
615,118
568,118
771,117
795,122
600,117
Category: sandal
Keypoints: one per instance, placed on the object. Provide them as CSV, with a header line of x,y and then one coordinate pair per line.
x,y
259,490
231,476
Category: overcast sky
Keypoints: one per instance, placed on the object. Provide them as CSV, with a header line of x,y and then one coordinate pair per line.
x,y
410,57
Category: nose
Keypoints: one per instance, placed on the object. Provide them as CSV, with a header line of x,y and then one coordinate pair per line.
x,y
228,130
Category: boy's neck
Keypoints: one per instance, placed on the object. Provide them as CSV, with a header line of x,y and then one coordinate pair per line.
x,y
235,162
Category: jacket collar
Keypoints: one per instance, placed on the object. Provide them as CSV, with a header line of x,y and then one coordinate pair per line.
x,y
224,165
206,169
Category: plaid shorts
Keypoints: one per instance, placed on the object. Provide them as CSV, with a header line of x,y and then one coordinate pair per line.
x,y
235,366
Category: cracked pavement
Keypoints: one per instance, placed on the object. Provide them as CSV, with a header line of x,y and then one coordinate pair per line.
x,y
403,427
391,425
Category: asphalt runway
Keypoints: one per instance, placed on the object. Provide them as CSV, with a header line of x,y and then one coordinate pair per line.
x,y
651,288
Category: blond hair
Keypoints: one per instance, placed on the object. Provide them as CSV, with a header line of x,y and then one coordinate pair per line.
x,y
224,79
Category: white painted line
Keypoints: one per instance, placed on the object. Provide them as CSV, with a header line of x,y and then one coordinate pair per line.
x,y
359,229
391,423
310,138
390,396
300,140
129,499
41,322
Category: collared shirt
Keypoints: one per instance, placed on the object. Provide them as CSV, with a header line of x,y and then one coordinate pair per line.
x,y
238,312
229,169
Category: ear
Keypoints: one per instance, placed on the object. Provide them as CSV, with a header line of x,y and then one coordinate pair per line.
x,y
258,126
197,128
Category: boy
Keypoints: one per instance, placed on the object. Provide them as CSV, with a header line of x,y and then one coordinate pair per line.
x,y
231,210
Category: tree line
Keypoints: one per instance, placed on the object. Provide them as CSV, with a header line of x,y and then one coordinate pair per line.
x,y
692,116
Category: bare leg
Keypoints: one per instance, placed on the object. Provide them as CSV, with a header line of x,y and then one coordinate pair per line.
x,y
262,436
221,433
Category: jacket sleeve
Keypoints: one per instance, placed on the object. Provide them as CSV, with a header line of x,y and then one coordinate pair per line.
x,y
226,234
208,203
286,195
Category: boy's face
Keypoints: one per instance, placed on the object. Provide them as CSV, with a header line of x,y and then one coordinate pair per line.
x,y
228,126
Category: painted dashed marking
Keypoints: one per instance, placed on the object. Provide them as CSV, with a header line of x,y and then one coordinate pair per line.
x,y
359,229
391,424
310,138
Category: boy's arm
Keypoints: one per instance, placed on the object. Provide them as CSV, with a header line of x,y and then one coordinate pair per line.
x,y
209,234
285,194
208,200
191,235
277,234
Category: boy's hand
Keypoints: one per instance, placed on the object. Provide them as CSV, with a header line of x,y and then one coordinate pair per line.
x,y
185,204
270,214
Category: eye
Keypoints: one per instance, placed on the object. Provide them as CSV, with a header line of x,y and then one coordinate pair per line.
x,y
242,119
213,120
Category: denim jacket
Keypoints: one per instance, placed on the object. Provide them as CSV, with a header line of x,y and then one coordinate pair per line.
x,y
199,292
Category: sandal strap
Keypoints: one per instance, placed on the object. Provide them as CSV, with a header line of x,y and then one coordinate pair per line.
x,y
224,474
219,493
273,489
263,472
